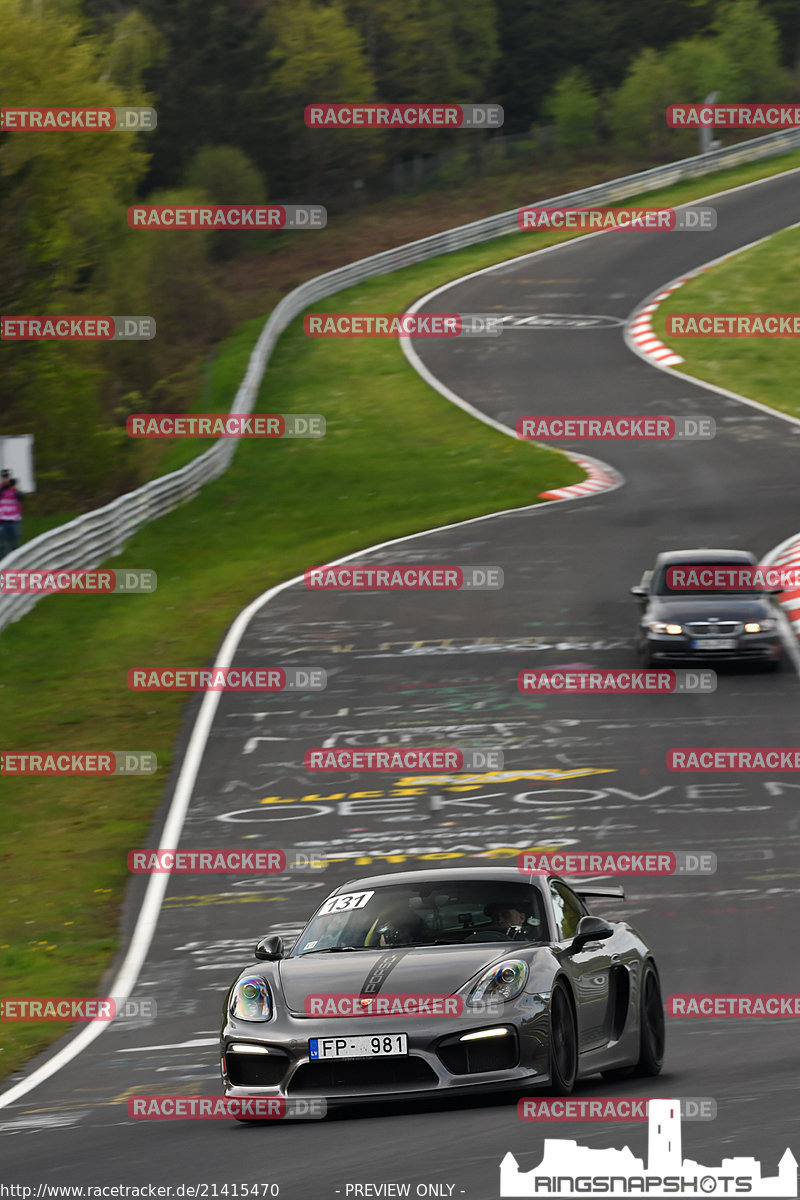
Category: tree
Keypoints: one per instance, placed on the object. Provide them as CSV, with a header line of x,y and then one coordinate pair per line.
x,y
62,205
311,55
428,49
786,15
698,66
135,46
205,82
541,41
572,107
748,38
60,194
638,107
225,175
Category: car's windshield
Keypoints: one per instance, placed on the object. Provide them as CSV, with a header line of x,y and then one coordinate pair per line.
x,y
425,914
704,578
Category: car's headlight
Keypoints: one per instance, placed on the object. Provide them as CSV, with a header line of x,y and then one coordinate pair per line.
x,y
760,626
250,1000
664,627
504,981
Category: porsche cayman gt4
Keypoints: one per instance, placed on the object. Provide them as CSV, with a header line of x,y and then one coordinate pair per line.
x,y
445,980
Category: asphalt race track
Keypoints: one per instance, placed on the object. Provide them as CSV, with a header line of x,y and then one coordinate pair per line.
x,y
421,670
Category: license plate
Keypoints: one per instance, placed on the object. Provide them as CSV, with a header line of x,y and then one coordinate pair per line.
x,y
714,644
368,1046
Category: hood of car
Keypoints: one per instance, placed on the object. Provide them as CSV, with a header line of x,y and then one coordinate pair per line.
x,y
426,970
700,608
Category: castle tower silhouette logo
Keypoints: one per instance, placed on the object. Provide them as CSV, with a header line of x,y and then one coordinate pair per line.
x,y
568,1169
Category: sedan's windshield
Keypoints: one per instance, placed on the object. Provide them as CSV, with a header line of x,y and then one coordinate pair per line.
x,y
702,578
425,915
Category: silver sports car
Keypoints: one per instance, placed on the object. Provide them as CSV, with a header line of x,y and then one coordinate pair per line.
x,y
445,981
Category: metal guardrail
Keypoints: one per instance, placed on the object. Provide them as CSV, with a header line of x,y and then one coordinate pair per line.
x,y
90,539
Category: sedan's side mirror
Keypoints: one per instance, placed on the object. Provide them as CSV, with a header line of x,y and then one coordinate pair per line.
x,y
269,949
590,929
639,590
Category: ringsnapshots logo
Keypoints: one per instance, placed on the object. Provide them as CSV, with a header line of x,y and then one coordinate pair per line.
x,y
75,120
75,1008
403,579
78,762
216,862
591,219
371,325
733,116
421,761
732,325
618,862
227,679
230,1108
567,1169
227,216
403,116
617,429
622,681
229,425
77,582
610,1108
77,329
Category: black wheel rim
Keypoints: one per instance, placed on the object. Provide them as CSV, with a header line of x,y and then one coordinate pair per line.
x,y
654,1015
563,1037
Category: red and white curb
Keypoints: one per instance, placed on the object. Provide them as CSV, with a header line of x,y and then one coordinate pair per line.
x,y
788,555
600,479
640,327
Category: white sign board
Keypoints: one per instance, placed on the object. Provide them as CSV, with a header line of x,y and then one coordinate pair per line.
x,y
16,455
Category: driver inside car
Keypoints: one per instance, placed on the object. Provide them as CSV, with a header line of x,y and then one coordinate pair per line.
x,y
506,920
401,926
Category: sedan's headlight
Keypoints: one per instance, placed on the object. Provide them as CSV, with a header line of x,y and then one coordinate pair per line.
x,y
504,981
760,626
664,627
250,1000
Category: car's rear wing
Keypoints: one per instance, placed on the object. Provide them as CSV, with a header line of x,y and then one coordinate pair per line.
x,y
599,891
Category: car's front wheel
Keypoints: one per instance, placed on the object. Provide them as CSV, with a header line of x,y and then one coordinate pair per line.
x,y
563,1043
643,653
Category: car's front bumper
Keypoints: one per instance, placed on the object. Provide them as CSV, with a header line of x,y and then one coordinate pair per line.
x,y
437,1060
750,647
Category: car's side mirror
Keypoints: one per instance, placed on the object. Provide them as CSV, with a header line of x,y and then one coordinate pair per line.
x,y
590,929
269,949
639,590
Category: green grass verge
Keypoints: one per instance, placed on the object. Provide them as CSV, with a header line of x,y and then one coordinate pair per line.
x,y
762,279
397,458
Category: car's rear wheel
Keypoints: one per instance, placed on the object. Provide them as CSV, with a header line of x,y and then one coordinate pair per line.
x,y
563,1043
651,1025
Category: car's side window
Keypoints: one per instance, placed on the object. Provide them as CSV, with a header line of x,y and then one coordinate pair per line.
x,y
568,910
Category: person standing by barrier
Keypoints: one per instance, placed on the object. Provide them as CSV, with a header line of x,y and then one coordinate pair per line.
x,y
10,513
